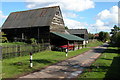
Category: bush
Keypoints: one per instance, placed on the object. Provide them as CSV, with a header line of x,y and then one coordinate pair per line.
x,y
33,40
115,39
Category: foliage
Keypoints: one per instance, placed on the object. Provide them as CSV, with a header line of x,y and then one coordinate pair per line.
x,y
91,36
3,38
13,43
66,27
104,36
115,29
33,40
115,38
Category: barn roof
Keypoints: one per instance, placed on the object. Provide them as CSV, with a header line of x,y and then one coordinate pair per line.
x,y
77,31
30,18
68,36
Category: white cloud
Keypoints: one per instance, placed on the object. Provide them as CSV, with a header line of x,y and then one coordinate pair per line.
x,y
75,5
99,23
2,16
70,15
111,14
106,19
68,7
73,24
103,14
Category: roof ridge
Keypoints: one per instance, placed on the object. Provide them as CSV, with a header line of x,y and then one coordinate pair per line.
x,y
77,29
35,9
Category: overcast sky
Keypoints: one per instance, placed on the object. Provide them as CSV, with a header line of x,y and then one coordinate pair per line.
x,y
94,15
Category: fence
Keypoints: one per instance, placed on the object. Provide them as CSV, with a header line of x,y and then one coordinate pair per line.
x,y
22,50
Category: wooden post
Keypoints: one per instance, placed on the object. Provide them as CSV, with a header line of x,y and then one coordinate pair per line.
x,y
38,35
31,64
66,51
18,50
73,45
78,46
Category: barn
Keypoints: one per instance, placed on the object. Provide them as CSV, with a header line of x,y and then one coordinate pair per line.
x,y
83,33
36,23
43,24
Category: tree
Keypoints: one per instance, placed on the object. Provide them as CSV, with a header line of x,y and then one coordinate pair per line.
x,y
115,30
115,38
66,27
103,36
90,36
2,37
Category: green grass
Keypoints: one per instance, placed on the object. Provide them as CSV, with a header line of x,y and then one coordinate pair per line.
x,y
13,43
94,43
107,66
20,65
0,69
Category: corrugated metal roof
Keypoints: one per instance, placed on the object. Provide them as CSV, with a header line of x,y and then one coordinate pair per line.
x,y
30,18
68,36
77,31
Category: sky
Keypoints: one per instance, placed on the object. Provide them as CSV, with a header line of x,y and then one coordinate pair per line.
x,y
94,15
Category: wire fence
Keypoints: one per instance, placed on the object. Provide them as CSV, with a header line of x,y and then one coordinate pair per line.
x,y
22,50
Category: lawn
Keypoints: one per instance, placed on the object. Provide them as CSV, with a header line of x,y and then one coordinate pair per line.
x,y
94,43
20,65
107,66
12,43
0,69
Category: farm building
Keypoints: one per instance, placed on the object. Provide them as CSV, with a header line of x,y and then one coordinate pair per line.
x,y
36,23
43,24
83,33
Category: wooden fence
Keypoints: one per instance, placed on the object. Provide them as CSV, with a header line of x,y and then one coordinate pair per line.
x,y
22,50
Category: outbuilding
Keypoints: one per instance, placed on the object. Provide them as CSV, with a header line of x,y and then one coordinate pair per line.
x,y
43,24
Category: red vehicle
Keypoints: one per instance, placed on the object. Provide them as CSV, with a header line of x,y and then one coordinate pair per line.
x,y
63,47
70,47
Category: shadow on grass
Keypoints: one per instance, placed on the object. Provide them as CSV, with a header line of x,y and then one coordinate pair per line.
x,y
98,50
44,61
114,70
97,68
105,59
111,51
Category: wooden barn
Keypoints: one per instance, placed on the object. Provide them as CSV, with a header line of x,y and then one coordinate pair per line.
x,y
83,33
36,23
43,24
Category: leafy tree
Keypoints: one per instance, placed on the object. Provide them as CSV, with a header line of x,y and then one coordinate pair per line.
x,y
33,40
90,36
66,27
2,37
104,36
115,38
115,30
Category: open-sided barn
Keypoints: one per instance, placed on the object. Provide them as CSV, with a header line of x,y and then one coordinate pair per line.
x,y
83,33
44,24
36,23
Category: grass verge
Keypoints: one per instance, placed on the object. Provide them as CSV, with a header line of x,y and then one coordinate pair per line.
x,y
20,65
107,66
94,43
13,43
